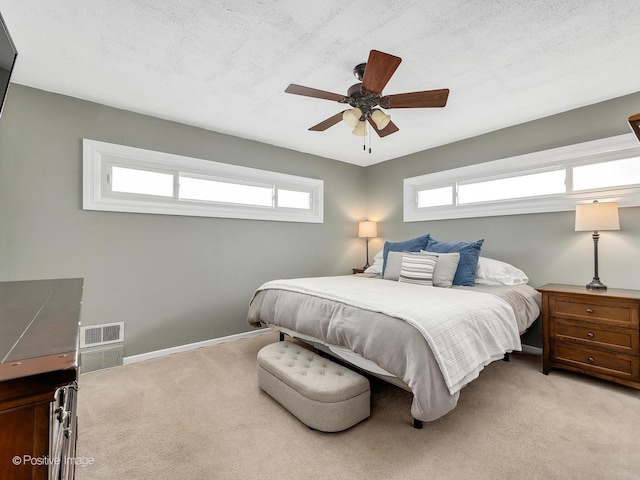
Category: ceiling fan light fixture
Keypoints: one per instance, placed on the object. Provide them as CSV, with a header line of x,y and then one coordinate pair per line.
x,y
352,117
360,129
380,118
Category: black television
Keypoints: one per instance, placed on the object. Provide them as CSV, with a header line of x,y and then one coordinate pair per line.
x,y
8,54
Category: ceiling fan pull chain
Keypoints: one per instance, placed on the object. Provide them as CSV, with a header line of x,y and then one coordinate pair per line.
x,y
369,139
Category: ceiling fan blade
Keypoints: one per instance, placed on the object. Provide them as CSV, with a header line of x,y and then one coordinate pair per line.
x,y
380,67
634,122
426,99
329,122
388,130
315,93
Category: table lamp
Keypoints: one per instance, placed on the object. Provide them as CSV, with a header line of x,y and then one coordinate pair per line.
x,y
367,230
595,217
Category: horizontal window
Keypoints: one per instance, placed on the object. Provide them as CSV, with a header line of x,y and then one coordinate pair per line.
x,y
546,181
140,182
435,197
517,186
204,190
615,173
293,199
126,179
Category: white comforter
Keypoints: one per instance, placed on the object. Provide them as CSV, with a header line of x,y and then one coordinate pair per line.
x,y
465,330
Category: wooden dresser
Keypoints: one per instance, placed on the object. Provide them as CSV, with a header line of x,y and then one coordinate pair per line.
x,y
39,326
594,332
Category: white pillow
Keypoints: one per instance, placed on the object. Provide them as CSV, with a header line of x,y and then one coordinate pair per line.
x,y
378,262
495,272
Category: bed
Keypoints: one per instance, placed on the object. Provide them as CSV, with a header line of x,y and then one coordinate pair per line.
x,y
430,341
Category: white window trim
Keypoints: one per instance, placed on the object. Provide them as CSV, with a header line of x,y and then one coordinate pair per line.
x,y
97,156
613,148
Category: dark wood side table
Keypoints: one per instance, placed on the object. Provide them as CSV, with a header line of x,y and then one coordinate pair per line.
x,y
357,270
39,334
594,332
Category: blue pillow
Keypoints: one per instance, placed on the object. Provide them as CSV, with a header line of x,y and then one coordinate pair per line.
x,y
413,245
469,254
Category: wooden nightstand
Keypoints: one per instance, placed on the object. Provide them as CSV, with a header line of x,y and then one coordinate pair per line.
x,y
357,270
594,332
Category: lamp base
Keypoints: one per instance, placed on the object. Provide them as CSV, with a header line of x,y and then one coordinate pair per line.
x,y
596,284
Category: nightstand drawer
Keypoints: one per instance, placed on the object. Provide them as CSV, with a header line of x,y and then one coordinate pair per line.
x,y
597,361
594,310
614,339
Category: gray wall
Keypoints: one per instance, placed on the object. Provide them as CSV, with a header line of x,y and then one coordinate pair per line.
x,y
173,280
545,246
177,280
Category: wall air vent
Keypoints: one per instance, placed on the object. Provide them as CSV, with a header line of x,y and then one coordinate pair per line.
x,y
98,358
105,334
94,355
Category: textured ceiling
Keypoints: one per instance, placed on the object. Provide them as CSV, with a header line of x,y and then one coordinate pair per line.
x,y
223,65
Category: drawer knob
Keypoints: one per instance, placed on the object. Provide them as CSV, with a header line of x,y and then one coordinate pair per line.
x,y
590,334
589,310
590,359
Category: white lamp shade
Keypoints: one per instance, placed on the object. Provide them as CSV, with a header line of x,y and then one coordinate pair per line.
x,y
380,118
367,229
352,117
597,216
361,129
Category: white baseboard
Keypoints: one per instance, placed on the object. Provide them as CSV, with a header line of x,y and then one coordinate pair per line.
x,y
192,346
231,338
531,349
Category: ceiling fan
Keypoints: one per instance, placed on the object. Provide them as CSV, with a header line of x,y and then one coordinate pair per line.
x,y
364,97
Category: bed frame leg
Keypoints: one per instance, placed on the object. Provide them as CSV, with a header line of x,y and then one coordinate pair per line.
x,y
281,336
417,424
506,357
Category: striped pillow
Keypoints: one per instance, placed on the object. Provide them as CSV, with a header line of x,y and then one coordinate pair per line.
x,y
418,268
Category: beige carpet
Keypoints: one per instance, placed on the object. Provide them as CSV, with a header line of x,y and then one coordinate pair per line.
x,y
200,415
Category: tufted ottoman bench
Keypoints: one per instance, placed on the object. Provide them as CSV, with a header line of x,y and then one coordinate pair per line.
x,y
322,394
